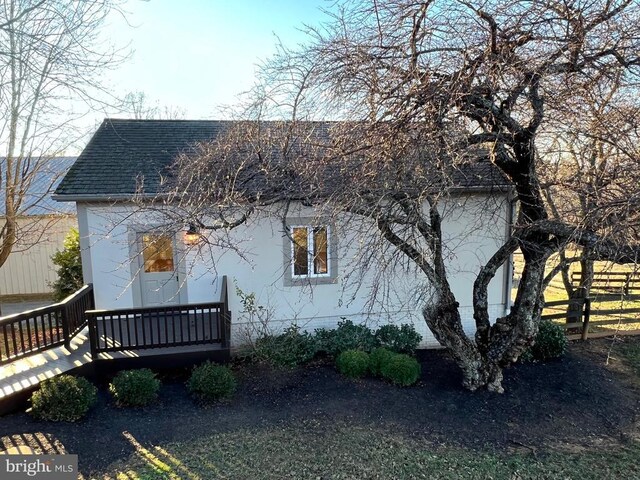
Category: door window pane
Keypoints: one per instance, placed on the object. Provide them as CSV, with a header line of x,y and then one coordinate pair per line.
x,y
157,252
300,251
320,251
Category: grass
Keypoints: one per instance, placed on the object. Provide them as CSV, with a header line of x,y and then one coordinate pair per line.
x,y
630,353
324,450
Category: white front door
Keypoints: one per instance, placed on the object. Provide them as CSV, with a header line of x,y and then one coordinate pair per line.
x,y
159,279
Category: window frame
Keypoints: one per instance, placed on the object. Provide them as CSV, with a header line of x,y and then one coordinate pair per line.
x,y
311,243
291,280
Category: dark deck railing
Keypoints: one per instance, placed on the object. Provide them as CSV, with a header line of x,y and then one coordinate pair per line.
x,y
160,327
34,331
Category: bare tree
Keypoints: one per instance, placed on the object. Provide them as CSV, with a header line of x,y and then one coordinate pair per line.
x,y
422,89
51,58
594,177
140,107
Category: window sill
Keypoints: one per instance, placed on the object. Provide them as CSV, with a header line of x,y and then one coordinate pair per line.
x,y
302,282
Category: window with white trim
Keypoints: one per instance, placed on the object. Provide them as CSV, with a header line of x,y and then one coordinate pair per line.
x,y
310,251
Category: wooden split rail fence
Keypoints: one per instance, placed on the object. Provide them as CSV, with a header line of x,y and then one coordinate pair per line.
x,y
612,283
582,317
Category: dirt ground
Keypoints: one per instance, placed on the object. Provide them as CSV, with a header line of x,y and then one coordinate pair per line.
x,y
569,404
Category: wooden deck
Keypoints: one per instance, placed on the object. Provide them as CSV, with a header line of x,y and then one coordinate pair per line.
x,y
27,373
72,337
21,377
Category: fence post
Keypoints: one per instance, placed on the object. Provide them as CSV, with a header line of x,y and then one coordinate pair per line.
x,y
587,317
575,306
627,284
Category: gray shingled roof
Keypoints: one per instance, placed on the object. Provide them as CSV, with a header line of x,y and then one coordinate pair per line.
x,y
123,150
37,199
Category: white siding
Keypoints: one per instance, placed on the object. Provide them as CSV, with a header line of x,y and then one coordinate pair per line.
x,y
474,227
28,271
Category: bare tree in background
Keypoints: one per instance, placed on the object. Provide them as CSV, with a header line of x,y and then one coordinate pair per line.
x,y
422,88
139,106
594,179
51,59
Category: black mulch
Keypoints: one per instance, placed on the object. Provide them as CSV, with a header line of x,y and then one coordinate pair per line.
x,y
576,400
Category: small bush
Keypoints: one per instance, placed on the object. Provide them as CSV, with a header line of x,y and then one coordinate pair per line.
x,y
63,399
353,363
403,339
377,358
135,388
324,339
401,369
210,382
70,267
347,336
551,342
289,349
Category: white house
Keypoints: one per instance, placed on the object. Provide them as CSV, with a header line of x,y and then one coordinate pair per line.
x,y
321,278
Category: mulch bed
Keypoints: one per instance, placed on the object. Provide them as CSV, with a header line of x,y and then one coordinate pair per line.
x,y
577,401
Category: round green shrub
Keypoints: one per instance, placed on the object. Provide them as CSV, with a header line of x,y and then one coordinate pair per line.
x,y
401,370
135,388
353,363
63,399
377,358
210,382
402,339
551,342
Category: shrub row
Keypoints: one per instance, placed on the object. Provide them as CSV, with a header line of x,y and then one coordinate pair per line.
x,y
68,398
295,347
399,368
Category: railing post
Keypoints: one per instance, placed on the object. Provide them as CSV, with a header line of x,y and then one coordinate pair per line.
x,y
225,327
66,331
92,299
93,335
587,317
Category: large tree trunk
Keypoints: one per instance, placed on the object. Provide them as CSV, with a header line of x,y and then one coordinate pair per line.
x,y
501,343
443,319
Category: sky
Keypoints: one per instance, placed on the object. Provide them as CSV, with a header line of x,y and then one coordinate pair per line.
x,y
197,55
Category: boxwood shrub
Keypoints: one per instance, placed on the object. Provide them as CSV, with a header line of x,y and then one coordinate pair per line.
x,y
291,348
135,388
551,342
210,382
377,358
401,370
63,399
353,363
347,336
402,339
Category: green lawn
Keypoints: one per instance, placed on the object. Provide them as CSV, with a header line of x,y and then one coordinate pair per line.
x,y
327,451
